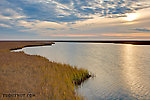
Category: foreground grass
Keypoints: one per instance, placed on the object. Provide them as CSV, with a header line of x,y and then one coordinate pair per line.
x,y
22,74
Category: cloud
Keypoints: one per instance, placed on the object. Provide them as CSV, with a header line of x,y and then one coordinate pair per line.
x,y
68,10
143,30
37,24
127,35
69,35
4,25
50,28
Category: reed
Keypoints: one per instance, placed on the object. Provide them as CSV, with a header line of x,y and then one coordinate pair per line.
x,y
22,73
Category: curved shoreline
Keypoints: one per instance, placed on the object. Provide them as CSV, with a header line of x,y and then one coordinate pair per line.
x,y
45,44
25,71
78,81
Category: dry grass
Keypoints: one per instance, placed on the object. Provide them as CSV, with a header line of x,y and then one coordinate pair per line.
x,y
22,73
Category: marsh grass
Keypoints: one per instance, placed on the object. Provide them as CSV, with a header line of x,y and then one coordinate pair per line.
x,y
22,73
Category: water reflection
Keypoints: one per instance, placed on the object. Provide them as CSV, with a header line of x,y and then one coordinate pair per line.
x,y
135,81
122,71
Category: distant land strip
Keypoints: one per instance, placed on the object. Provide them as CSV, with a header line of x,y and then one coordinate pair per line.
x,y
118,42
133,42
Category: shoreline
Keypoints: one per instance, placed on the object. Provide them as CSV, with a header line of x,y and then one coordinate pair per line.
x,y
23,73
34,45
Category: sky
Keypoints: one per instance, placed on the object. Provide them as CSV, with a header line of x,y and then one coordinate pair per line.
x,y
75,19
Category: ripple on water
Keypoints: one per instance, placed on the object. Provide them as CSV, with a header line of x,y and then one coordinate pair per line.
x,y
122,71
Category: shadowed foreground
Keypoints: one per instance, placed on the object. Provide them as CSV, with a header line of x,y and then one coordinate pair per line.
x,y
33,77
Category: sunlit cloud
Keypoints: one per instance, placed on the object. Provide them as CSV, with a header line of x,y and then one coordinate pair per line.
x,y
4,25
128,35
69,35
131,17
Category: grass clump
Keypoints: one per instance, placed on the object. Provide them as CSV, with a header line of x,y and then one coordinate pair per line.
x,y
80,75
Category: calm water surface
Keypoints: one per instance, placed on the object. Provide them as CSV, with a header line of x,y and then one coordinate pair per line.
x,y
122,71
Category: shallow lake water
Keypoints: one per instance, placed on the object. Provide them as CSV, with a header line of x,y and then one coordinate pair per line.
x,y
122,71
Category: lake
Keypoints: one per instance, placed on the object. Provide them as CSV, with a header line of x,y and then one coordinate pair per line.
x,y
122,70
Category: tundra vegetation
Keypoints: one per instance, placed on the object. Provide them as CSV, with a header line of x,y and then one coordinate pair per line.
x,y
23,74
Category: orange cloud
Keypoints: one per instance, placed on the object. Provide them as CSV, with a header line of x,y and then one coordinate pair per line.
x,y
128,35
73,35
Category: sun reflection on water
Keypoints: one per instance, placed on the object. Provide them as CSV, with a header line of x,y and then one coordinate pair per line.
x,y
133,78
